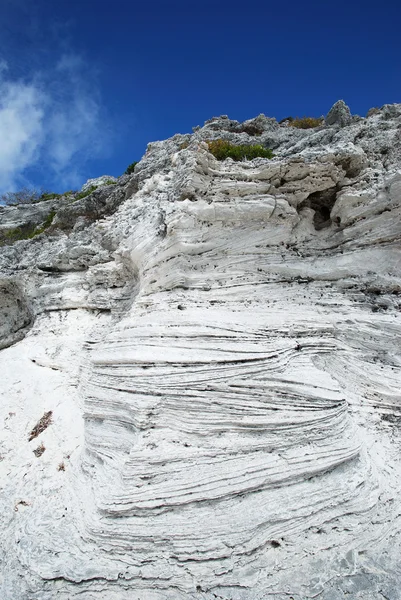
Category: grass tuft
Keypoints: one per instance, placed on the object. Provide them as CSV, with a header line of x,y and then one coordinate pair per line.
x,y
305,122
85,193
222,149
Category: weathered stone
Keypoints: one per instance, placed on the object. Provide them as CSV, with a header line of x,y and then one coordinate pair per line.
x,y
339,114
372,111
219,350
15,315
97,182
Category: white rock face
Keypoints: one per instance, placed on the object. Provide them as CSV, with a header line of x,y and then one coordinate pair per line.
x,y
219,347
97,182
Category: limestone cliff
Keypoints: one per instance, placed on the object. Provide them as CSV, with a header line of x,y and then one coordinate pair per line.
x,y
200,374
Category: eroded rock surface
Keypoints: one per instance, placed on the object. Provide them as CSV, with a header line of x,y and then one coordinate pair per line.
x,y
15,315
219,347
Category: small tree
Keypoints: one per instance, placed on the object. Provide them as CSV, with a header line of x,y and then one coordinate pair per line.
x,y
131,167
24,196
28,196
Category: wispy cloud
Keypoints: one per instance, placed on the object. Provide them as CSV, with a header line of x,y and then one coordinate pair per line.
x,y
49,122
22,108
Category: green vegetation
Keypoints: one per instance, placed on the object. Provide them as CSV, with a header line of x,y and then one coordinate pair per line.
x,y
305,122
49,196
86,192
45,225
131,167
15,234
54,196
27,231
24,196
222,149
29,196
109,182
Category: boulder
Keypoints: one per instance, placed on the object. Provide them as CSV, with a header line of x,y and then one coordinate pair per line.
x,y
339,115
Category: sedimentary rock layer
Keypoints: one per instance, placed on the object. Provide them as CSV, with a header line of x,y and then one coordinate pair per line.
x,y
221,356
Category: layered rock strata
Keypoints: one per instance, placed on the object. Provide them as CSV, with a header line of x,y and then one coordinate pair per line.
x,y
220,350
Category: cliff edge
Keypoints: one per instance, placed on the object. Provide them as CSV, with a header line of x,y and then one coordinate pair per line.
x,y
200,373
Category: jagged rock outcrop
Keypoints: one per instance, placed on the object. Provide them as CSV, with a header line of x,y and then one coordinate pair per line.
x,y
98,182
214,352
339,114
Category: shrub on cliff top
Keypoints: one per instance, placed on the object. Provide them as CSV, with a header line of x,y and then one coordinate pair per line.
x,y
85,193
305,122
29,196
131,167
222,149
24,196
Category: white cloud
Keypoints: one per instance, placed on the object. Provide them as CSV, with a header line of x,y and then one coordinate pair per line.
x,y
51,121
70,62
72,127
21,129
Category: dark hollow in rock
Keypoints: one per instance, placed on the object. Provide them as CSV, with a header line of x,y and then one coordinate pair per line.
x,y
322,203
351,165
251,129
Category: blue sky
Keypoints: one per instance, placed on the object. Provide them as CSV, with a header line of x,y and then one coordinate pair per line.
x,y
85,85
